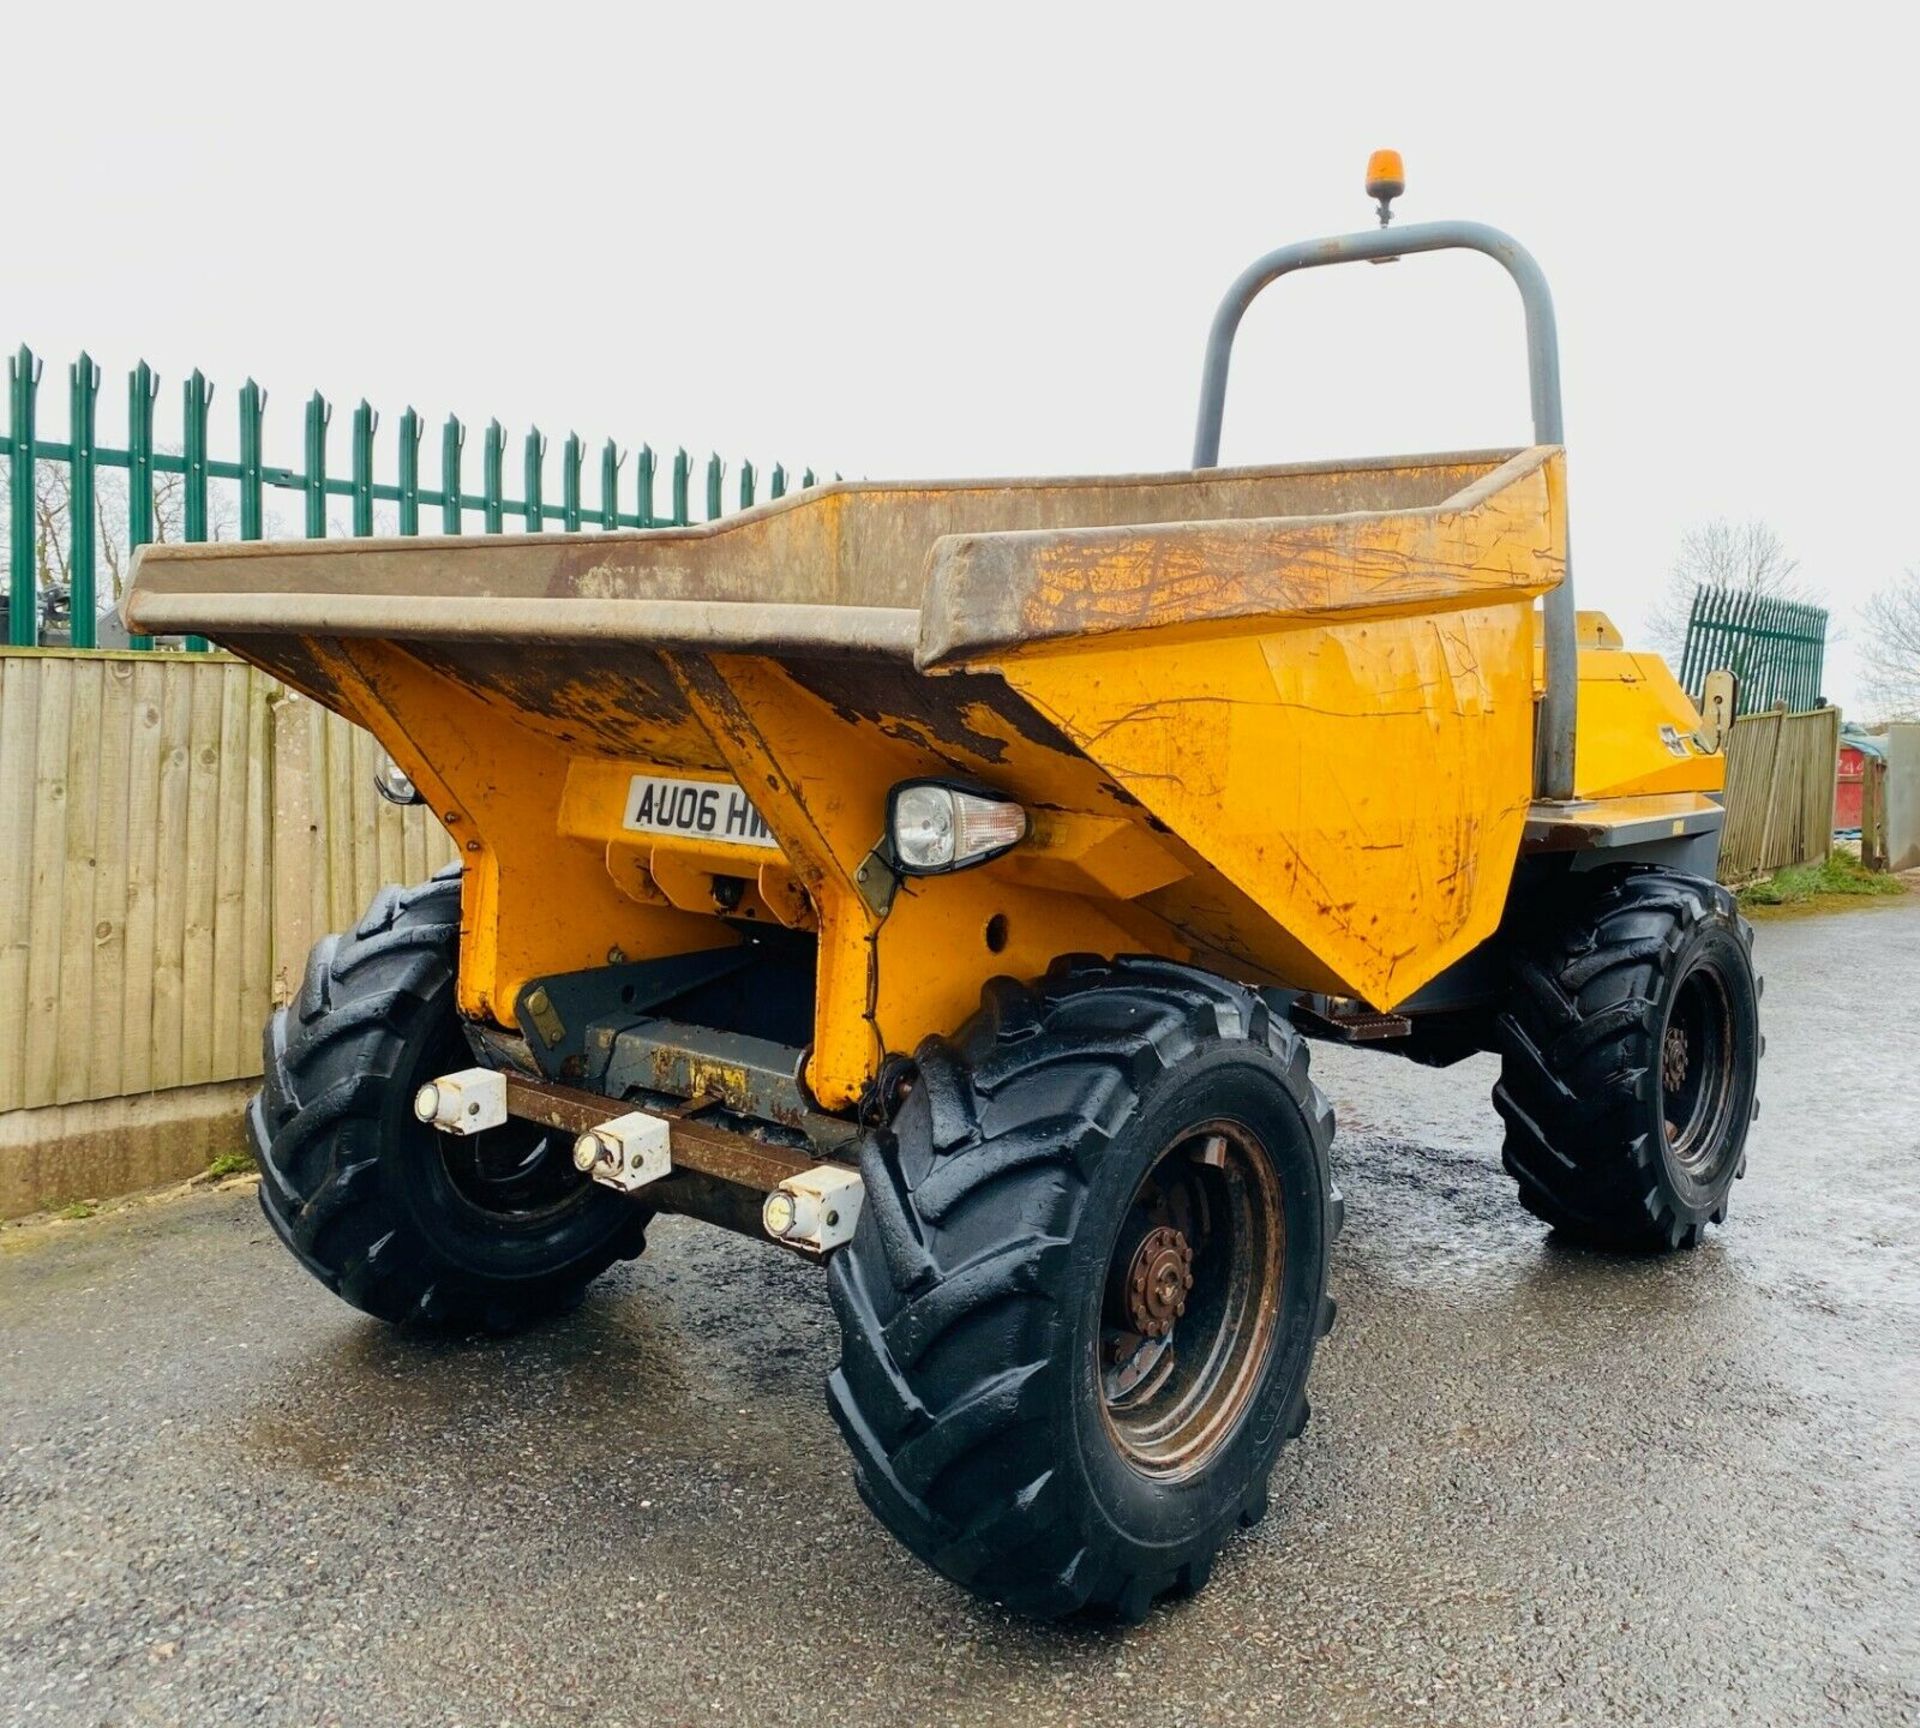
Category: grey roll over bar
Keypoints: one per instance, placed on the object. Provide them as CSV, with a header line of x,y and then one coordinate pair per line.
x,y
1554,767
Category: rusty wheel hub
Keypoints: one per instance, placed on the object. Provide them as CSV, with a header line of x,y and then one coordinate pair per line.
x,y
1191,1299
1673,1059
1158,1280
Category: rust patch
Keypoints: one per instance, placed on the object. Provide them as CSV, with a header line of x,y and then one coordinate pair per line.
x,y
875,694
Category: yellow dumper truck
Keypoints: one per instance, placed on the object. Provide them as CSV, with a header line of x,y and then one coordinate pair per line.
x,y
943,882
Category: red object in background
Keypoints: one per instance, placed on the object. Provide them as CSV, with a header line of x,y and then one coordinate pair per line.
x,y
1847,789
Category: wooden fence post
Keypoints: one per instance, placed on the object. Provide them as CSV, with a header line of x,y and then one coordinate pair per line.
x,y
1764,858
1873,812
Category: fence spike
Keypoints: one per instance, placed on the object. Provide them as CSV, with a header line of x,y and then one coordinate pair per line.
x,y
409,471
453,438
645,475
253,414
23,596
611,458
493,477
682,487
365,423
572,460
533,509
143,389
319,416
716,469
83,383
196,400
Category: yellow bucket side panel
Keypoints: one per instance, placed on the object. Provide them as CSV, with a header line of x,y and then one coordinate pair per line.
x,y
1364,783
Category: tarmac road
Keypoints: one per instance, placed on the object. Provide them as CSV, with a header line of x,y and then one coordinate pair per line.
x,y
1539,1486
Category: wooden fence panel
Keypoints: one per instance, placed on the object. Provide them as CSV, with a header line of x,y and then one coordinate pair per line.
x,y
19,720
46,886
1781,772
119,716
85,816
175,833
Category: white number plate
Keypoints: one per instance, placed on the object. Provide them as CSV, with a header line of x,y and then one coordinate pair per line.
x,y
703,809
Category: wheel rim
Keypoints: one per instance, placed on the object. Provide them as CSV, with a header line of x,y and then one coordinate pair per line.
x,y
1191,1301
517,1174
1696,1071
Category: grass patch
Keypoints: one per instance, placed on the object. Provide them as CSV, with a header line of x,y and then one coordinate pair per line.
x,y
78,1210
232,1164
1838,874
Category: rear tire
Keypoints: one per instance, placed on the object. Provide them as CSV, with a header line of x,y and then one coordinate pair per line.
x,y
985,1385
1629,1058
405,1223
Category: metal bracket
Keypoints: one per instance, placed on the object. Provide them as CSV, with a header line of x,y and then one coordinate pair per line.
x,y
876,880
556,1013
1349,1022
1719,701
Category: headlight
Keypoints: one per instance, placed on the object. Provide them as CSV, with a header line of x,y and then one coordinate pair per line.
x,y
935,827
391,782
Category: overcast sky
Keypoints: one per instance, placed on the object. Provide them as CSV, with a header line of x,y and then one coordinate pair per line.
x,y
962,240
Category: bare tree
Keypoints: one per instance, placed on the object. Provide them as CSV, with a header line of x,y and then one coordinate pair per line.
x,y
53,529
1890,648
1748,556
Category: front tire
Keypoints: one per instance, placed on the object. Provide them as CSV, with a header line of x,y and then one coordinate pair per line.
x,y
1629,1060
405,1223
1080,1309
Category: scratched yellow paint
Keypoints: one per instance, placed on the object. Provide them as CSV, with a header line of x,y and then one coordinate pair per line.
x,y
820,780
1365,784
536,899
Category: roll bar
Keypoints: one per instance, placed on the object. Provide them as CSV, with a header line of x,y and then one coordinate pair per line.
x,y
1553,769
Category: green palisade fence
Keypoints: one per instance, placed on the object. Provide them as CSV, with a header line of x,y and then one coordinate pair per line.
x,y
1776,648
22,448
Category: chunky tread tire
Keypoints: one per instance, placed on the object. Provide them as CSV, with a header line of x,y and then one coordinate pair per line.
x,y
345,1176
957,1299
1580,1089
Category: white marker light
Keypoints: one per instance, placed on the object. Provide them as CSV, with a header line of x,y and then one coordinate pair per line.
x,y
817,1209
469,1102
391,782
935,828
778,1214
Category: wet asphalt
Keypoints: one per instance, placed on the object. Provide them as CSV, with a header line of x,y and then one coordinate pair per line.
x,y
1539,1485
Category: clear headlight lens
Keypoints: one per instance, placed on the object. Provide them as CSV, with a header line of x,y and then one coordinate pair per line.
x,y
391,782
936,828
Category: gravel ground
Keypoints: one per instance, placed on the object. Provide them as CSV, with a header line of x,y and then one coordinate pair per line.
x,y
1539,1486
